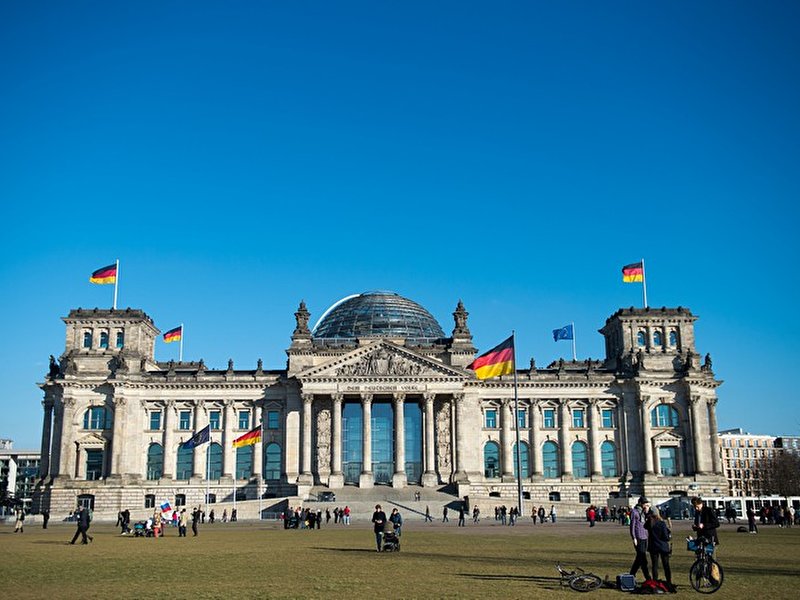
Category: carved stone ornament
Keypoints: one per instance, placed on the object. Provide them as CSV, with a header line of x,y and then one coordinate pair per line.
x,y
120,401
68,402
460,318
380,362
324,438
301,316
443,441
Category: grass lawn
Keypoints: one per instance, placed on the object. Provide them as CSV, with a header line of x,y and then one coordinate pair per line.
x,y
246,560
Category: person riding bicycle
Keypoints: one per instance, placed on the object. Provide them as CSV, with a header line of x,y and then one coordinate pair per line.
x,y
706,521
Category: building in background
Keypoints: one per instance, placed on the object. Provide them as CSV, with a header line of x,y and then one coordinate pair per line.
x,y
376,394
788,443
744,459
19,474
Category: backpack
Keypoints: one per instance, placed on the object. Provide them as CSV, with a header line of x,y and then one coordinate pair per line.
x,y
651,586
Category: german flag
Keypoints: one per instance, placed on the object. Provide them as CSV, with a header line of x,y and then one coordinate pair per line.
x,y
497,361
248,439
633,273
174,335
105,275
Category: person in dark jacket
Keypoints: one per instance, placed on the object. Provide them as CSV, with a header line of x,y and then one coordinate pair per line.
x,y
639,536
706,521
659,545
83,526
379,522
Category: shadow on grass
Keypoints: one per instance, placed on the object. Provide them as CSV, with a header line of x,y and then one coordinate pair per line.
x,y
53,542
364,550
548,583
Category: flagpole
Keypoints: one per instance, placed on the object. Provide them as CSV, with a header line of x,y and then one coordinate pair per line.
x,y
574,355
518,456
116,284
180,352
644,286
208,470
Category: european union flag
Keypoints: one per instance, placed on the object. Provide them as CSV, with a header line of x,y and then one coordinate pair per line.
x,y
565,333
201,437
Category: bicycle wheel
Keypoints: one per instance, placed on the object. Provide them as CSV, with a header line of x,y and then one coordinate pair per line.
x,y
585,583
706,576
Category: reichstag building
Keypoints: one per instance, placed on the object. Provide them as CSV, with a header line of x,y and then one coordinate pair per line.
x,y
376,395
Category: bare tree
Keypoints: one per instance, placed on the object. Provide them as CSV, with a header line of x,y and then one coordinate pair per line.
x,y
782,474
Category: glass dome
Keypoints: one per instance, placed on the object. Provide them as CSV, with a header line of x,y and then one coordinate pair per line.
x,y
377,314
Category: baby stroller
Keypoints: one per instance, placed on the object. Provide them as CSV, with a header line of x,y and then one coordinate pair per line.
x,y
391,543
139,529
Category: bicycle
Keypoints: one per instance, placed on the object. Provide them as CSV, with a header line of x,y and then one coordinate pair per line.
x,y
579,580
706,573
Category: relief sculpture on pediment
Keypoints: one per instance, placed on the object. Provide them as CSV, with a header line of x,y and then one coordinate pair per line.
x,y
380,362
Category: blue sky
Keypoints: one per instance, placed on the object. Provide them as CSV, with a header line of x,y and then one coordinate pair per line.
x,y
238,159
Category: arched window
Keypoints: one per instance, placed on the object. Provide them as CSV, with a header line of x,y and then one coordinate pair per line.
x,y
491,460
608,459
214,461
104,339
155,461
96,417
87,339
272,462
183,467
673,338
658,339
523,459
664,415
580,460
244,462
550,463
641,339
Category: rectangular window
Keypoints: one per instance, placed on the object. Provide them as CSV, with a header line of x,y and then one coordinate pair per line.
x,y
522,420
273,419
120,339
213,419
549,415
155,420
490,418
608,418
244,419
578,421
185,420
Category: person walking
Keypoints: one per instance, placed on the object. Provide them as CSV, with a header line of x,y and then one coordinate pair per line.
x,y
444,515
751,521
20,524
396,519
182,523
83,526
639,536
196,517
379,525
428,518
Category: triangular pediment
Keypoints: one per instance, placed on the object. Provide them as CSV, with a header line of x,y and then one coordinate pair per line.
x,y
92,439
668,436
382,360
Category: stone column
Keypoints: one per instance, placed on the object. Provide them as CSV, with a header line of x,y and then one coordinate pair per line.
x,y
712,424
700,463
47,424
366,479
170,452
564,439
306,477
460,476
258,447
594,439
67,460
647,436
429,478
199,467
336,478
228,451
57,451
622,429
399,479
506,441
536,442
118,437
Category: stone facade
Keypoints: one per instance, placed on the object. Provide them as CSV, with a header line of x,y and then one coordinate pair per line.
x,y
641,420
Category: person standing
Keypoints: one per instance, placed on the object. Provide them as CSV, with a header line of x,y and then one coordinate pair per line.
x,y
347,515
20,524
706,521
592,514
476,514
461,516
659,546
541,514
639,537
182,523
751,521
126,521
45,518
379,525
444,515
553,513
83,526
